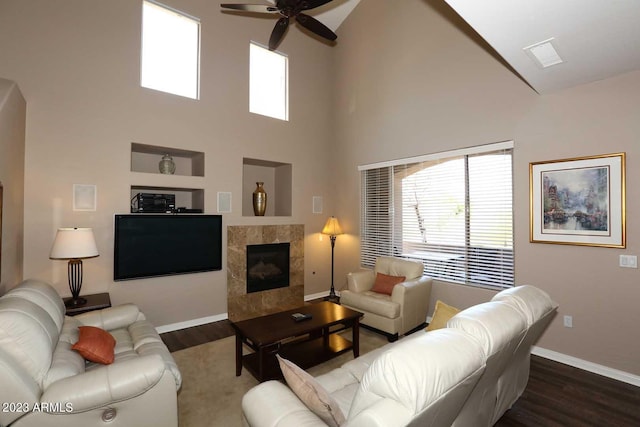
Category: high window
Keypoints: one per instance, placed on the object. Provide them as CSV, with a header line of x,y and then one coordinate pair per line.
x,y
268,83
170,50
453,211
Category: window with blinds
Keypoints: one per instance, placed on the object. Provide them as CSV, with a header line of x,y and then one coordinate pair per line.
x,y
452,211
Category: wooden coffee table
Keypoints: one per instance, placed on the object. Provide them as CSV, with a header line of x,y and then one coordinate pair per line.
x,y
306,343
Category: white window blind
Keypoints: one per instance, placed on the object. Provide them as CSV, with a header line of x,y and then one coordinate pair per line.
x,y
452,211
377,214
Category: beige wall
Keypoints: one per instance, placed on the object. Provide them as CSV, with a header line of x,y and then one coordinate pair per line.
x,y
77,63
12,129
410,82
402,81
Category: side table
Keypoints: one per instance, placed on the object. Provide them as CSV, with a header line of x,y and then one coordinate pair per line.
x,y
94,302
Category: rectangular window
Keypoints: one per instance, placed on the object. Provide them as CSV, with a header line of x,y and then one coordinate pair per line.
x,y
268,83
170,50
452,211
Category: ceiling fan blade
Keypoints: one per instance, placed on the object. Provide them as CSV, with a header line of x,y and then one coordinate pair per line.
x,y
278,32
315,26
260,8
312,4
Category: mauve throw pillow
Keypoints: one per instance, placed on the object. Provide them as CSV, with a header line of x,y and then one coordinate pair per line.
x,y
384,283
311,393
95,345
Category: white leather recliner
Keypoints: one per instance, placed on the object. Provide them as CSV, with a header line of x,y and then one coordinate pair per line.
x,y
46,383
396,314
467,374
538,309
506,327
421,380
499,328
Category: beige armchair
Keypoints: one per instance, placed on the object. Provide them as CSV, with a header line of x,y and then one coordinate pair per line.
x,y
395,314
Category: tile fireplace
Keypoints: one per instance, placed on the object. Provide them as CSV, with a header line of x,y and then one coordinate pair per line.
x,y
242,304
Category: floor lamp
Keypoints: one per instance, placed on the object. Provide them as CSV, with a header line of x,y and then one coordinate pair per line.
x,y
74,244
332,229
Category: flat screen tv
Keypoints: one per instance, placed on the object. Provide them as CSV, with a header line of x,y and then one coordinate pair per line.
x,y
160,245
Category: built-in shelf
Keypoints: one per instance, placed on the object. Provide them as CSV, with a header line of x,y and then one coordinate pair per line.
x,y
184,183
277,178
145,158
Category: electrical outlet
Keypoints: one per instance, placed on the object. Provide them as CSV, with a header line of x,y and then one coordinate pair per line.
x,y
568,321
629,261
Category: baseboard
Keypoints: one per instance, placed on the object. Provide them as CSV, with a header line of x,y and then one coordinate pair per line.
x,y
587,366
191,323
318,295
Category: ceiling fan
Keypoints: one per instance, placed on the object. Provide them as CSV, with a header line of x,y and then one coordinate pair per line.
x,y
288,9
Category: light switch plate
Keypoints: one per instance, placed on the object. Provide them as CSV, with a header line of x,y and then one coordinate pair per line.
x,y
629,261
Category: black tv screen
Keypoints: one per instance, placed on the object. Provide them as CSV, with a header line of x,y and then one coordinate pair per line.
x,y
159,245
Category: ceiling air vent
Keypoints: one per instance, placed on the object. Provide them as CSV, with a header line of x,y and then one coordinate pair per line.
x,y
544,53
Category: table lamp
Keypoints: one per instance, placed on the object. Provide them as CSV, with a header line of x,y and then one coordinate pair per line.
x,y
74,244
332,229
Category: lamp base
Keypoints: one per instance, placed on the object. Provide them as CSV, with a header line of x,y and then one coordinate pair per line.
x,y
74,271
332,297
71,303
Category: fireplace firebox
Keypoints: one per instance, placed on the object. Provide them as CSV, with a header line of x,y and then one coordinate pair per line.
x,y
267,266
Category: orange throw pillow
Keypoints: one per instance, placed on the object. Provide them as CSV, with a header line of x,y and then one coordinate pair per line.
x,y
95,345
384,284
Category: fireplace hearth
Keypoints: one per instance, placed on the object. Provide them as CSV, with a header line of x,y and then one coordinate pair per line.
x,y
267,267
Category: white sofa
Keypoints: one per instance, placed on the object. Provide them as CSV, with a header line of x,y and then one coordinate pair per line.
x,y
396,314
46,383
467,374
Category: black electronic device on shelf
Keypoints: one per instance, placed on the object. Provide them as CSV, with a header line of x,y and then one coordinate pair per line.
x,y
153,203
188,210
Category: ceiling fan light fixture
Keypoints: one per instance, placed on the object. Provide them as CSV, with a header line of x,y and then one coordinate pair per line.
x,y
288,9
544,53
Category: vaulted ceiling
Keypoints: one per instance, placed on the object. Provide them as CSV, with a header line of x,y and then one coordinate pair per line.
x,y
595,39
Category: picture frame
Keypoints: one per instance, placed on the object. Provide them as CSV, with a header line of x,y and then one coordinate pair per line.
x,y
579,201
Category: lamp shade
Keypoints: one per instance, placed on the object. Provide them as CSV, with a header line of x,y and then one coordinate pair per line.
x,y
74,243
332,227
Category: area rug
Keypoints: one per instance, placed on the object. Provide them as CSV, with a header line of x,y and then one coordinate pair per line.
x,y
211,394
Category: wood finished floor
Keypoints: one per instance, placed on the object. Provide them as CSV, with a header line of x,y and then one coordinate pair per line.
x,y
556,395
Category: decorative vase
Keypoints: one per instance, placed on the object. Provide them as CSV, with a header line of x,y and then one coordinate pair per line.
x,y
166,165
259,200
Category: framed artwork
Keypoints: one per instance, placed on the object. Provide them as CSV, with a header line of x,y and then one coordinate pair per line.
x,y
579,201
